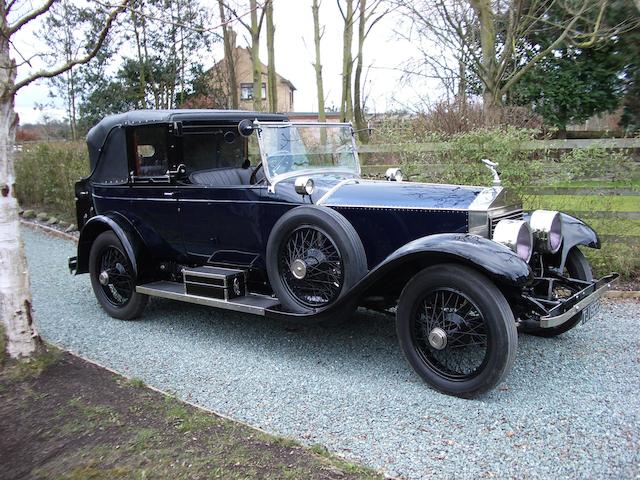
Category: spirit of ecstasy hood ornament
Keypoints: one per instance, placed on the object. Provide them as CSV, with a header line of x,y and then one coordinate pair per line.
x,y
492,167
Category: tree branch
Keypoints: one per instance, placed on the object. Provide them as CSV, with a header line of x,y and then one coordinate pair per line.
x,y
78,61
536,58
29,16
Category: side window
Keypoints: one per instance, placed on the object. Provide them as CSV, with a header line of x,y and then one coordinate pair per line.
x,y
150,151
220,147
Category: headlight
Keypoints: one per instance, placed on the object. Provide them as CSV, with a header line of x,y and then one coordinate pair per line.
x,y
304,185
546,227
515,234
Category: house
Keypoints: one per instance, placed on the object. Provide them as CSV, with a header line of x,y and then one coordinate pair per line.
x,y
330,117
244,80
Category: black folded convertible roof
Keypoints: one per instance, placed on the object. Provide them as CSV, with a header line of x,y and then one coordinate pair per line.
x,y
98,135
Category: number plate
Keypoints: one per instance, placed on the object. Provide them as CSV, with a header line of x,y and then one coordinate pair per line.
x,y
590,312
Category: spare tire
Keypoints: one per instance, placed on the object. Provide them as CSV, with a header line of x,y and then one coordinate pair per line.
x,y
314,256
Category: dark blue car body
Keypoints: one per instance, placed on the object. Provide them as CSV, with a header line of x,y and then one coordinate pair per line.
x,y
180,204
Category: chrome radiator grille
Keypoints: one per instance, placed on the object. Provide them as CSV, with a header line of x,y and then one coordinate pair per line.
x,y
494,219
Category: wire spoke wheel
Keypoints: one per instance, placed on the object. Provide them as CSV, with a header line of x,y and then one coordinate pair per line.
x,y
450,334
311,267
115,277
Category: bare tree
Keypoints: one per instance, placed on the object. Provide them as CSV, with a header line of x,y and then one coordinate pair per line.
x,y
254,29
272,85
15,295
491,38
63,40
369,16
227,36
346,101
317,36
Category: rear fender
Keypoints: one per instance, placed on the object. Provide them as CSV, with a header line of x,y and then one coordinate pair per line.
x,y
119,225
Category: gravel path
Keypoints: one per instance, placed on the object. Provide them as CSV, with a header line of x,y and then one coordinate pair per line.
x,y
569,409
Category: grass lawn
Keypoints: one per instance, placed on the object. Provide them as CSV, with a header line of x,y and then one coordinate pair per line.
x,y
64,418
595,203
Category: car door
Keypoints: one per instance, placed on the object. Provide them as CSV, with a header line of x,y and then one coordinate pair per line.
x,y
218,206
153,192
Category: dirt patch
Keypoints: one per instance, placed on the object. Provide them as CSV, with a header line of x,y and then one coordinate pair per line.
x,y
70,419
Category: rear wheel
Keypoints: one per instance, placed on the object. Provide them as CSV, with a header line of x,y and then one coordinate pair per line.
x,y
456,330
113,279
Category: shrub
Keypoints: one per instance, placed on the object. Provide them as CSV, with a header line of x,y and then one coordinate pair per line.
x,y
46,173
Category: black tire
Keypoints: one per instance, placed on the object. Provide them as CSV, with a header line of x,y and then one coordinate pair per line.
x,y
337,258
474,322
118,297
577,266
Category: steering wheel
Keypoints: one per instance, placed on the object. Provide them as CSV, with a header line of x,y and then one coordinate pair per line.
x,y
280,161
253,179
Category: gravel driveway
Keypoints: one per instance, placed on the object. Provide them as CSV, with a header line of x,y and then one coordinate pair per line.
x,y
569,409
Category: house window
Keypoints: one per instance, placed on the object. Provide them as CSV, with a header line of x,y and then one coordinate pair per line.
x,y
246,91
291,99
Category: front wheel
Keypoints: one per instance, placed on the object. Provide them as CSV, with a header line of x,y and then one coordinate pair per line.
x,y
314,256
456,330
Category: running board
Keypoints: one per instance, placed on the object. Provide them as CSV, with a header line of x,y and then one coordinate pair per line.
x,y
251,303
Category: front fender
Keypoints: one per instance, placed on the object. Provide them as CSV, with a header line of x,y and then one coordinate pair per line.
x,y
495,260
575,232
117,223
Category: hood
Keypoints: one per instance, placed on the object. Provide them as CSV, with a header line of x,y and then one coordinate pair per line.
x,y
409,195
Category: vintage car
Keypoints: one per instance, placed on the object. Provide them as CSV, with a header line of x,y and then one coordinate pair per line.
x,y
247,211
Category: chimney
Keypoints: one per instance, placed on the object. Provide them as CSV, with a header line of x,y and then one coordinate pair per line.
x,y
232,37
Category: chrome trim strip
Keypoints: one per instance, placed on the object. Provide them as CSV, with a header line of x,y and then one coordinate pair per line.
x,y
247,304
398,207
549,322
334,189
193,200
135,198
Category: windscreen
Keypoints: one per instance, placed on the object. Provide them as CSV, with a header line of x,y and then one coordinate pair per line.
x,y
291,148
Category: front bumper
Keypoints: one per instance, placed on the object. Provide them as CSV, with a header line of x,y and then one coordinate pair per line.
x,y
563,311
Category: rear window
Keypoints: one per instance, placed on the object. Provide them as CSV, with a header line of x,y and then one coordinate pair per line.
x,y
150,151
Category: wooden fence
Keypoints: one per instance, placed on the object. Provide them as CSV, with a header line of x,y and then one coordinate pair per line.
x,y
377,170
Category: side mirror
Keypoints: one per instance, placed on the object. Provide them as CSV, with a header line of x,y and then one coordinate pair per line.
x,y
393,174
245,127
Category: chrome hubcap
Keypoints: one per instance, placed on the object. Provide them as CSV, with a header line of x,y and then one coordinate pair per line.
x,y
299,269
438,338
103,278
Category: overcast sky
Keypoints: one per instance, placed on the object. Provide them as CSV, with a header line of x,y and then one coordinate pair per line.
x,y
385,53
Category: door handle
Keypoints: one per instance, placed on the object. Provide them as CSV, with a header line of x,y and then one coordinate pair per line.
x,y
169,194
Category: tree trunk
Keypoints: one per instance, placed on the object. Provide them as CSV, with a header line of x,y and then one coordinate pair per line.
x,y
272,85
74,120
346,102
230,63
462,86
490,93
142,83
255,58
318,65
358,107
15,296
